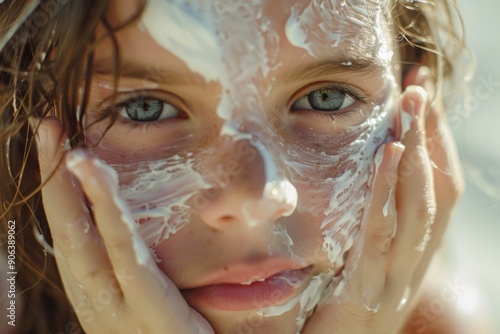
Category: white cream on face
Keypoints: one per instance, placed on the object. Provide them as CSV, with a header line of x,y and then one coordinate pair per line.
x,y
166,22
238,50
157,192
327,26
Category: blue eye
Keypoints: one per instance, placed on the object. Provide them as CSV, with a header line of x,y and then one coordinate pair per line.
x,y
324,99
147,109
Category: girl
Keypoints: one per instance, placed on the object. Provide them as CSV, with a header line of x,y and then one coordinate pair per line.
x,y
225,166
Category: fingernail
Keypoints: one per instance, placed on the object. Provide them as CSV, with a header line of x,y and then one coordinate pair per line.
x,y
397,154
379,156
420,110
417,104
406,120
42,136
42,139
414,103
423,75
425,80
74,158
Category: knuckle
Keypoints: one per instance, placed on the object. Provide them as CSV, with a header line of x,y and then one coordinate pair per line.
x,y
385,228
62,245
382,244
93,276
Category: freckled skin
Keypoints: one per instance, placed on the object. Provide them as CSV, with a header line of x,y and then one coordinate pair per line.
x,y
328,163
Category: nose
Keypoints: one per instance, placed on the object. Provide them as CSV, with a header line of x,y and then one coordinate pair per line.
x,y
249,188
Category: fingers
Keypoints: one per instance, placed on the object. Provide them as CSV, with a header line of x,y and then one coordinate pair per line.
x,y
100,183
74,236
367,283
415,198
381,224
127,252
448,178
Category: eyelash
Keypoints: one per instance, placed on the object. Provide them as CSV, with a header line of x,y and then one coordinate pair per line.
x,y
123,99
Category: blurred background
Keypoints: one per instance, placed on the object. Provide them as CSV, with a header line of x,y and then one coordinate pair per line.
x,y
475,230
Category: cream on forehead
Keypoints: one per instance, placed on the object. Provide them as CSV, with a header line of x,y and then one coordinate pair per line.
x,y
201,33
340,28
186,33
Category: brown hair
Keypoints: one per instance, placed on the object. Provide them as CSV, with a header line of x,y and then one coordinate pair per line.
x,y
45,59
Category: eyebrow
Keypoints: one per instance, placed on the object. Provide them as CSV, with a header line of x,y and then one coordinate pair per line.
x,y
310,71
135,70
331,67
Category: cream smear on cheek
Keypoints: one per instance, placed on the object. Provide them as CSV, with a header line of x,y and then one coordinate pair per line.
x,y
156,193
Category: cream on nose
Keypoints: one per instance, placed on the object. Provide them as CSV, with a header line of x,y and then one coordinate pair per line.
x,y
279,200
279,196
259,194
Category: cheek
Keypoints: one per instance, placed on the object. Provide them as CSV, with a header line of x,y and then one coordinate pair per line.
x,y
157,194
156,176
333,189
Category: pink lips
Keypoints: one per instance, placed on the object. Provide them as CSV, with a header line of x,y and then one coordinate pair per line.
x,y
247,286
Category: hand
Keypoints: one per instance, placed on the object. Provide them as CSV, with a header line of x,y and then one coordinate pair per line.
x,y
403,228
108,273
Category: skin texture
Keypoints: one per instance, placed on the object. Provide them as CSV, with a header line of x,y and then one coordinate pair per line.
x,y
147,297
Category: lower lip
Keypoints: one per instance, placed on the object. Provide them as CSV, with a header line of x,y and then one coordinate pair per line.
x,y
237,297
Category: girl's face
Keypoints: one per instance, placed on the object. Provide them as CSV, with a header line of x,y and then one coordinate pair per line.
x,y
245,143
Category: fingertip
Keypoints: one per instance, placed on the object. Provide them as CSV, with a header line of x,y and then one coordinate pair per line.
x,y
48,133
414,101
39,131
51,143
413,109
398,149
421,76
92,173
53,127
77,161
74,158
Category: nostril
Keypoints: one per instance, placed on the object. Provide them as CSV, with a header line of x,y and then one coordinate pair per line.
x,y
226,219
279,214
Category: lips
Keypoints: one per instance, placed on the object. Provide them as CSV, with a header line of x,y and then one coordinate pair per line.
x,y
250,285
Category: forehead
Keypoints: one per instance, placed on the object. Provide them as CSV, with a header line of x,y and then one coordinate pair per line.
x,y
343,30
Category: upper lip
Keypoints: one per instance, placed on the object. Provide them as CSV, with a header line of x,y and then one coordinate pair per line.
x,y
248,271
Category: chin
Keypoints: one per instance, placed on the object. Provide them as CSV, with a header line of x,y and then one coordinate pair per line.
x,y
227,322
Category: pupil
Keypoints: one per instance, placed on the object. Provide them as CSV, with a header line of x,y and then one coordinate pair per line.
x,y
326,100
144,110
